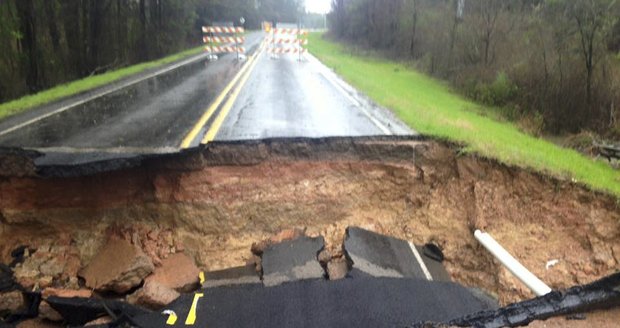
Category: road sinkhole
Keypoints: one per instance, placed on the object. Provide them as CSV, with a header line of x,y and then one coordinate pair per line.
x,y
214,202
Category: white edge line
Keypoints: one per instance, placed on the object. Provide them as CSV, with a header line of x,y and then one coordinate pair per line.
x,y
112,150
101,94
420,261
355,102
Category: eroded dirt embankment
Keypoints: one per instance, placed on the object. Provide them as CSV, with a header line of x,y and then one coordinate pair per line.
x,y
215,202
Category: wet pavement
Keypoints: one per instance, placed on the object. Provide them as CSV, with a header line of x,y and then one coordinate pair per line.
x,y
283,97
146,117
286,97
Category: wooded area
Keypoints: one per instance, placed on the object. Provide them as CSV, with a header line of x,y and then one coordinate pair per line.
x,y
555,63
49,42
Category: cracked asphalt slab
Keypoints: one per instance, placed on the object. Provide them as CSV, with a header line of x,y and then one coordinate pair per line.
x,y
294,291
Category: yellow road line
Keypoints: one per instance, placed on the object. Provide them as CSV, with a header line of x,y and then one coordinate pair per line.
x,y
219,120
187,141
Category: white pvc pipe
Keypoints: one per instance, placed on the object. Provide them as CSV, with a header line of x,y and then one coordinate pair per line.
x,y
516,268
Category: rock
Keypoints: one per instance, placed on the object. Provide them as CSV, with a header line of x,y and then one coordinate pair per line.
x,y
48,313
53,267
45,282
284,235
26,274
119,266
256,262
258,248
337,269
325,256
178,272
98,322
153,295
48,262
292,260
36,323
12,301
66,293
72,267
73,283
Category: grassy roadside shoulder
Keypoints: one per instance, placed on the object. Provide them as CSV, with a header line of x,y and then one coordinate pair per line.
x,y
431,108
85,84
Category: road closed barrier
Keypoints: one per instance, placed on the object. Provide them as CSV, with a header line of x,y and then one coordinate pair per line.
x,y
287,41
215,42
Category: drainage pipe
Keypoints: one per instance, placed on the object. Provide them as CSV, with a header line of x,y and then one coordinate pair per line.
x,y
516,268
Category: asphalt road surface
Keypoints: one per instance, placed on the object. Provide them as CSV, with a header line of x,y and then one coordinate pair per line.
x,y
354,302
159,112
286,97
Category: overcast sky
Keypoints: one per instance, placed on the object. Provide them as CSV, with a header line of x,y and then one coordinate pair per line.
x,y
318,6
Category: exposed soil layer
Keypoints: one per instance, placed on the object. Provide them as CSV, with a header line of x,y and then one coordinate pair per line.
x,y
214,202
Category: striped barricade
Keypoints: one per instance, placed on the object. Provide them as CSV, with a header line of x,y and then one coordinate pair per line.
x,y
224,49
214,41
287,41
223,39
280,51
302,42
222,30
289,31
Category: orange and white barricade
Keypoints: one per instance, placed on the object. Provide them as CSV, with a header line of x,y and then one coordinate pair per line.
x,y
287,41
214,42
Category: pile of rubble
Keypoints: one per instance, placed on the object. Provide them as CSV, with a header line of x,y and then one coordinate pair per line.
x,y
148,270
140,276
136,266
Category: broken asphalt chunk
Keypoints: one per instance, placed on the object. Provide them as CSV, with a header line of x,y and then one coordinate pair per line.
x,y
229,277
292,260
79,311
381,256
7,281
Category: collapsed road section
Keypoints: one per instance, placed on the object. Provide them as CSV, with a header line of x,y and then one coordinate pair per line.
x,y
209,205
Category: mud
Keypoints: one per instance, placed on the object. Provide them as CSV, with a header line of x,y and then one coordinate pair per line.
x,y
214,202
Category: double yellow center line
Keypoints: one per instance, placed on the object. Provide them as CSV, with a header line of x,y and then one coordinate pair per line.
x,y
243,75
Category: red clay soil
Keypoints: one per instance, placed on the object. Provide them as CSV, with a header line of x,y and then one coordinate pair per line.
x,y
215,203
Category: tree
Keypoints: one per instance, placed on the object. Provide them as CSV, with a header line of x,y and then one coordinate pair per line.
x,y
414,26
592,18
487,13
29,46
589,20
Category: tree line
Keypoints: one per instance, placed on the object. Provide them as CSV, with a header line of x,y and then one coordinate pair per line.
x,y
50,42
555,63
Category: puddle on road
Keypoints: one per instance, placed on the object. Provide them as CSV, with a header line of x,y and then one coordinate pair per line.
x,y
213,203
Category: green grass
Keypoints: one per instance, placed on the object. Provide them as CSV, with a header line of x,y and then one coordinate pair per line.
x,y
432,108
75,87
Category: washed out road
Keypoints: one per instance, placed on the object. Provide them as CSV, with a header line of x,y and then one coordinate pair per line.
x,y
197,101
